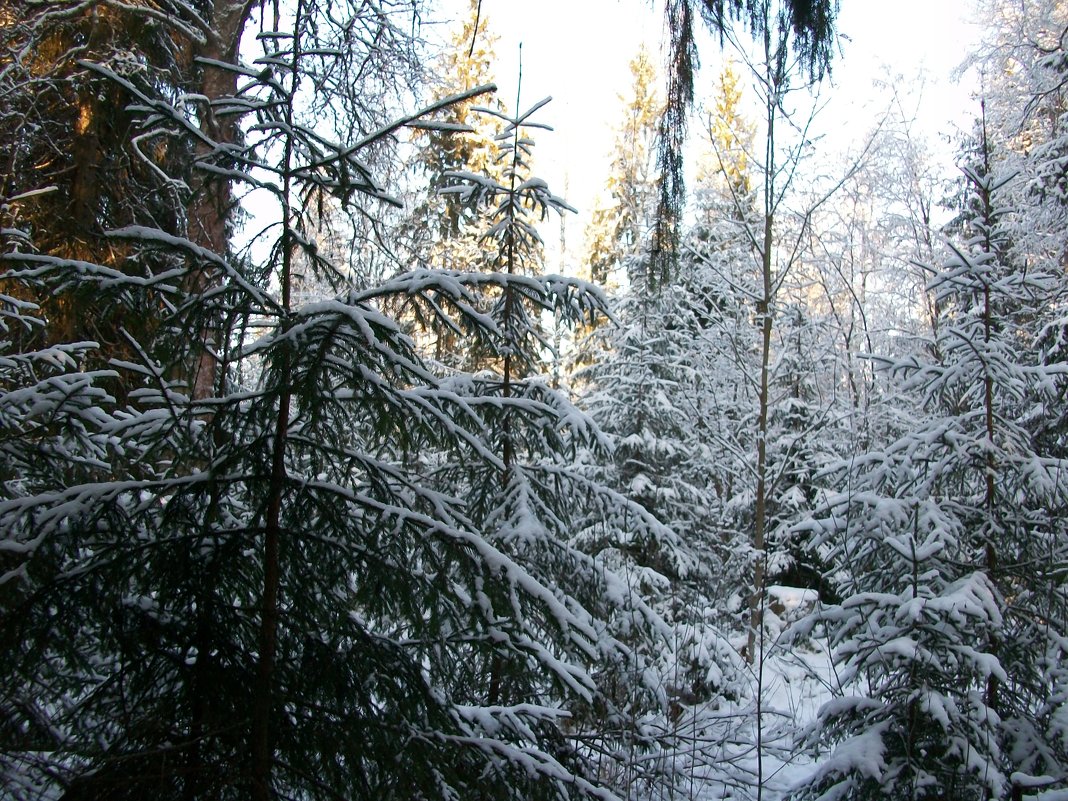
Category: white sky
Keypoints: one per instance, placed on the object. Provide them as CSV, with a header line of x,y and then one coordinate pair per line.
x,y
577,51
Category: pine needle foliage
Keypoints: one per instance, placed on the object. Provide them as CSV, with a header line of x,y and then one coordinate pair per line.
x,y
545,510
270,590
949,541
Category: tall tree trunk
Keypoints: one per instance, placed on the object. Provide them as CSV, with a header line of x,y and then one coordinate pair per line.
x,y
760,504
210,212
765,308
507,447
990,499
263,699
212,199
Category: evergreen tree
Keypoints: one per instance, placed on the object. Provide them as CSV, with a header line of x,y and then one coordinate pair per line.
x,y
731,136
442,229
620,225
949,543
800,446
77,165
653,390
635,386
617,234
717,271
524,505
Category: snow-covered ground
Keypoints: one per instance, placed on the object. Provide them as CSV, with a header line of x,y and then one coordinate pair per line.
x,y
792,680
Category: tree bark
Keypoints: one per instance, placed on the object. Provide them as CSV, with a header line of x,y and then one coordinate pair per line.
x,y
212,200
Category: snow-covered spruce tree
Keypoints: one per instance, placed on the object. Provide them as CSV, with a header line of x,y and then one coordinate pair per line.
x,y
649,387
1019,299
556,520
949,640
619,226
800,443
911,721
716,270
73,299
644,391
634,385
623,357
630,388
256,591
661,391
53,420
442,230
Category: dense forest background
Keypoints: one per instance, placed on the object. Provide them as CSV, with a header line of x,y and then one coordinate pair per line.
x,y
316,483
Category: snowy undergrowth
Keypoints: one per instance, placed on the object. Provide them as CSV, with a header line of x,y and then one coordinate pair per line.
x,y
716,754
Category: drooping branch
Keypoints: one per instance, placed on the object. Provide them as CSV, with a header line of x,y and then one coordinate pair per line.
x,y
812,34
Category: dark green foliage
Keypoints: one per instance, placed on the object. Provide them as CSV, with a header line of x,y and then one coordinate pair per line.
x,y
811,22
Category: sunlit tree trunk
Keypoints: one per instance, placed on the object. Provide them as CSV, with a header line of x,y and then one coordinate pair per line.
x,y
212,202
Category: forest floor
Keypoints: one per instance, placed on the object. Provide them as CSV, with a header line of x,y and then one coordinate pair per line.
x,y
794,679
